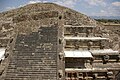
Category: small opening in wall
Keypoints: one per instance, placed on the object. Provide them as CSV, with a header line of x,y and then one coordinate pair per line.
x,y
60,17
60,76
60,41
11,40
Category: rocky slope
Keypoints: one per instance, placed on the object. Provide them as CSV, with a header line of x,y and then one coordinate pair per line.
x,y
30,17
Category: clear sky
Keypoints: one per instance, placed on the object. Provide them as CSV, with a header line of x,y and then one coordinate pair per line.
x,y
88,7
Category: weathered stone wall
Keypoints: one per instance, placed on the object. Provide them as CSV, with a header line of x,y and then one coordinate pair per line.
x,y
35,16
114,33
74,63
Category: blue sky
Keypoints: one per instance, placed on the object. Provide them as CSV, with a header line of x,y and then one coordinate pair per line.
x,y
88,7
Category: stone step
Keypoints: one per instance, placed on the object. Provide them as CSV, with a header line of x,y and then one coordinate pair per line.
x,y
35,56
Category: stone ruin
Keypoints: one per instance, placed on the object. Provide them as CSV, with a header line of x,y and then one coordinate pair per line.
x,y
49,42
34,56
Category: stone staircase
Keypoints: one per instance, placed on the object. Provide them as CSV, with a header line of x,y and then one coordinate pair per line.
x,y
34,56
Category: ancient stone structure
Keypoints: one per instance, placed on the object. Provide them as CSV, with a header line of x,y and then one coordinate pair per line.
x,y
86,57
35,56
49,42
